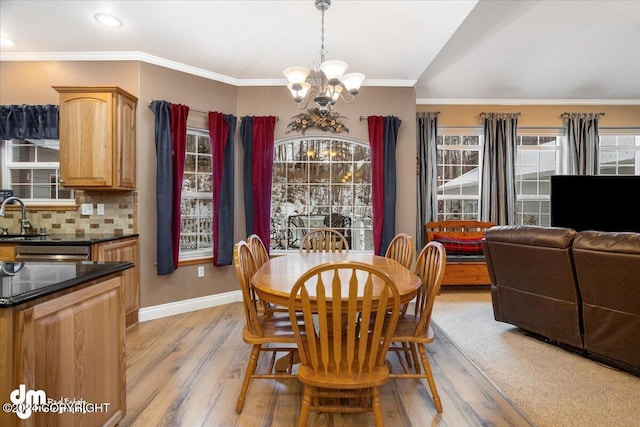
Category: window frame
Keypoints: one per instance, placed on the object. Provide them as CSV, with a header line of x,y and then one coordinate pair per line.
x,y
617,132
6,158
544,218
186,257
282,232
476,199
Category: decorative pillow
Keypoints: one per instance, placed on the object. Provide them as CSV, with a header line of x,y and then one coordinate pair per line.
x,y
460,245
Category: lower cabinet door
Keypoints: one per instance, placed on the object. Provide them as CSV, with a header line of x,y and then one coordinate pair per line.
x,y
73,349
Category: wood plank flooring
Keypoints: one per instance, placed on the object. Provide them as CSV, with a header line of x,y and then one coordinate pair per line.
x,y
186,370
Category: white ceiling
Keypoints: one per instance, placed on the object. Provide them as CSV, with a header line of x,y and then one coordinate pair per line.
x,y
452,51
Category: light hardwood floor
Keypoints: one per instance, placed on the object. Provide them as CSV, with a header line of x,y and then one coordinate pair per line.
x,y
186,370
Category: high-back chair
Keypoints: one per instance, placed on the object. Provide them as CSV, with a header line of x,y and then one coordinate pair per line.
x,y
258,250
401,249
324,240
413,329
266,332
339,358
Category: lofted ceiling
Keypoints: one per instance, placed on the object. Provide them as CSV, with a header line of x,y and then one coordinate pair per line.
x,y
451,51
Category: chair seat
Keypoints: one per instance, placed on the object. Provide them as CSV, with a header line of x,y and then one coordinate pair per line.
x,y
405,330
375,378
275,327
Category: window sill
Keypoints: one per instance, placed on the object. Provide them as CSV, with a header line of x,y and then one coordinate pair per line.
x,y
195,261
43,207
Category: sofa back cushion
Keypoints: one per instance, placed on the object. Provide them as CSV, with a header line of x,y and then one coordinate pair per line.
x,y
608,271
533,259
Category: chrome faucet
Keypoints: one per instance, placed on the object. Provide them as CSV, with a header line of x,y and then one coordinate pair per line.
x,y
24,222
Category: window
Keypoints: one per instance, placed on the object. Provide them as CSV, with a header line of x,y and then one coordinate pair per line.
x,y
196,238
619,152
33,171
537,158
458,153
320,182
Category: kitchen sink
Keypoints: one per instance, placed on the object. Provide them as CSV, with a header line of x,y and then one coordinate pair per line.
x,y
11,237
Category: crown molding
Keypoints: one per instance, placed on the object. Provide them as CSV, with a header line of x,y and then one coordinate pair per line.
x,y
117,56
547,102
162,62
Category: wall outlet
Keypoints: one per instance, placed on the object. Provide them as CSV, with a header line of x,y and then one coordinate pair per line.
x,y
201,271
100,208
87,208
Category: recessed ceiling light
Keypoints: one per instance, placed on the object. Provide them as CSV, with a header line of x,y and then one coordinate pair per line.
x,y
6,42
108,20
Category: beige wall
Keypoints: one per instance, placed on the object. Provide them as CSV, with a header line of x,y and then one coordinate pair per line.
x,y
535,115
157,83
30,83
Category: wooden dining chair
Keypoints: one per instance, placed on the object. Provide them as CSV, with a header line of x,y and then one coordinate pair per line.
x,y
401,249
413,330
339,359
265,331
324,240
258,250
260,256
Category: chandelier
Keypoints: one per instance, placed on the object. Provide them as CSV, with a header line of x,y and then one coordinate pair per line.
x,y
326,80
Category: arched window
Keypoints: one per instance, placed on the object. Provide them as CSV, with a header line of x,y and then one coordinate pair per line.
x,y
321,182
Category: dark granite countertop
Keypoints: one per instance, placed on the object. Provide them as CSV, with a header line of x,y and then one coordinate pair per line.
x,y
25,281
64,239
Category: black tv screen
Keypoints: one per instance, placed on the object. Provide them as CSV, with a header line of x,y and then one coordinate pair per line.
x,y
601,203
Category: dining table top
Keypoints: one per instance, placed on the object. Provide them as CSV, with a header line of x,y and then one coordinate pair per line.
x,y
274,279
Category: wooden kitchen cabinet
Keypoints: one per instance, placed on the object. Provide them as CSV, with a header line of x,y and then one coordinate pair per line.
x,y
123,250
7,251
70,346
97,137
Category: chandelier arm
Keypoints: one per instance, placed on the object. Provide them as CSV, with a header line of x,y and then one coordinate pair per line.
x,y
345,99
302,105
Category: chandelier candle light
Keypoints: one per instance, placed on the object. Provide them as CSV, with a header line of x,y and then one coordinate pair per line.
x,y
326,80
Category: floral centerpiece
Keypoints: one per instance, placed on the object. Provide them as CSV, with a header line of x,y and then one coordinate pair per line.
x,y
324,120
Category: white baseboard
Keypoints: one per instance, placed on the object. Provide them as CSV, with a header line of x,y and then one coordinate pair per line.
x,y
185,306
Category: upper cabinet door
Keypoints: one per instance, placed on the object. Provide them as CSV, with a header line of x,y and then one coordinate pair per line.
x,y
97,138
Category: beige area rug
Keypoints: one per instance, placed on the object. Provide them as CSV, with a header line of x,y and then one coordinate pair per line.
x,y
553,387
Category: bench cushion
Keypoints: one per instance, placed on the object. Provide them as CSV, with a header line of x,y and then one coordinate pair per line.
x,y
460,245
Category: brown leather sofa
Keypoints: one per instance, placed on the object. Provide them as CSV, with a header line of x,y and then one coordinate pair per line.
x,y
533,280
608,271
576,289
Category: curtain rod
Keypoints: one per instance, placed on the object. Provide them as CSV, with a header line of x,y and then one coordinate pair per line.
x,y
565,114
484,114
199,110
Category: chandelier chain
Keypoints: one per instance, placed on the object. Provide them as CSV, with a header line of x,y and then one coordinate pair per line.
x,y
322,35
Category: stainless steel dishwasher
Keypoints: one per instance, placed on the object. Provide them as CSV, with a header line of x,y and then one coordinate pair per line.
x,y
68,253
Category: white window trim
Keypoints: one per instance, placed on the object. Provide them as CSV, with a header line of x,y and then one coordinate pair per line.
x,y
298,138
191,254
5,159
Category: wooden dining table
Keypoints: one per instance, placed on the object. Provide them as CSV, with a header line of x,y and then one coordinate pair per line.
x,y
275,279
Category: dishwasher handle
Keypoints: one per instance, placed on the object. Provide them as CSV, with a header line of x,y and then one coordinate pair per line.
x,y
50,257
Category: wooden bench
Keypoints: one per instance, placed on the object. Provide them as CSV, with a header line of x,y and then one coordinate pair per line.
x,y
461,269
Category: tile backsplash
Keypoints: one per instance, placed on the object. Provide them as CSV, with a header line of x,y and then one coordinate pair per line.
x,y
120,212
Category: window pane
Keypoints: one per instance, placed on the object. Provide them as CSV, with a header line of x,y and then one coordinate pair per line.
x,y
315,183
537,158
196,207
458,162
33,167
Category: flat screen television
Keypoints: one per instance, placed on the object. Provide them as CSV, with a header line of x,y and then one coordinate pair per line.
x,y
602,203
